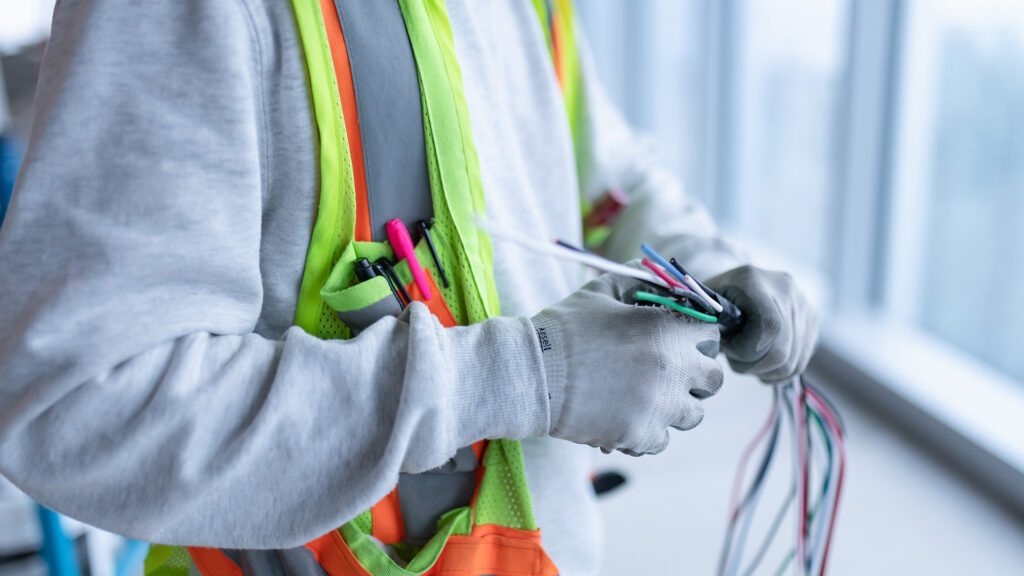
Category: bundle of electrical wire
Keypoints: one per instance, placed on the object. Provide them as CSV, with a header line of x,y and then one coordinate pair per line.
x,y
818,439
815,427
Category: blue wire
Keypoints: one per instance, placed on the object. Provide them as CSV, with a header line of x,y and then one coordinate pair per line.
x,y
749,503
664,263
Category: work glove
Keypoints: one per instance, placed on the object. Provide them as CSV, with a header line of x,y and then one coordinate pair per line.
x,y
781,327
619,374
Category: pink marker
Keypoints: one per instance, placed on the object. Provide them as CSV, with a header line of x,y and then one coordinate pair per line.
x,y
401,243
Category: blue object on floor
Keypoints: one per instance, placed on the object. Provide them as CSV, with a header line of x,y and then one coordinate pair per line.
x,y
58,550
131,559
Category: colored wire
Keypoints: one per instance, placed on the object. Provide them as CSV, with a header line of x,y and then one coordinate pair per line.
x,y
733,553
734,501
776,523
675,264
655,299
695,301
821,509
684,278
833,421
585,258
802,470
661,273
698,287
565,244
653,255
781,515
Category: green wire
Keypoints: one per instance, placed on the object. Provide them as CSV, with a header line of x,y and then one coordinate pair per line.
x,y
648,297
814,509
785,563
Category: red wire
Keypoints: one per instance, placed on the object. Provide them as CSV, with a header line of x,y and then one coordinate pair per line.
x,y
734,503
801,421
661,274
833,423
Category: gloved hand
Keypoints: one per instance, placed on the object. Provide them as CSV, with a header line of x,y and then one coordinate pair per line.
x,y
781,327
620,374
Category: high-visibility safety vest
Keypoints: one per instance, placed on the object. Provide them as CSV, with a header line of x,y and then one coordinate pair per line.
x,y
493,531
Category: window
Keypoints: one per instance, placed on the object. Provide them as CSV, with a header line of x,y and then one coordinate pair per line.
x,y
875,149
651,57
789,67
958,186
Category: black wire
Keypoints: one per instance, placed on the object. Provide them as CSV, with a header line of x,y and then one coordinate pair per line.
x,y
828,401
748,497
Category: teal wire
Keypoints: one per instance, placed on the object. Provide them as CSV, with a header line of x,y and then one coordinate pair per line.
x,y
785,563
827,483
654,298
821,498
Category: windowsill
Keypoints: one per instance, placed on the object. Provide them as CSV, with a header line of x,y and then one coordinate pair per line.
x,y
966,412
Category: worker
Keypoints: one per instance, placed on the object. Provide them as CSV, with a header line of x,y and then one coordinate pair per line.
x,y
204,339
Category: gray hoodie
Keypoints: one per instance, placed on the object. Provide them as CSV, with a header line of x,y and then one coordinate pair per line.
x,y
151,381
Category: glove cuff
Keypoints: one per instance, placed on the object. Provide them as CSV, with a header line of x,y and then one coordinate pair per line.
x,y
498,381
551,342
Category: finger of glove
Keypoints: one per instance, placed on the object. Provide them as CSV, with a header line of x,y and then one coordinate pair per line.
x,y
691,417
711,380
657,446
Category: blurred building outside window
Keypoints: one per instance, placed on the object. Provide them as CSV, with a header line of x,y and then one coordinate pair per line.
x,y
871,148
958,183
789,65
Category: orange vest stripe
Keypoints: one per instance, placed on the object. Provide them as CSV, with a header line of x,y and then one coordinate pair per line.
x,y
213,562
335,557
387,519
346,89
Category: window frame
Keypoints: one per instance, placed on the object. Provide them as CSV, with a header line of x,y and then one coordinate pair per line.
x,y
938,395
958,407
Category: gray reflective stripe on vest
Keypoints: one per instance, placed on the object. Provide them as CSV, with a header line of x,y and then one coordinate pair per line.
x,y
397,186
360,319
390,112
289,562
425,497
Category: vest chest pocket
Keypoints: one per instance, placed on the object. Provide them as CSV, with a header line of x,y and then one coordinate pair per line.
x,y
359,304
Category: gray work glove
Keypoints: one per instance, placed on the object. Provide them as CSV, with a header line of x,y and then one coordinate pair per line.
x,y
781,327
619,375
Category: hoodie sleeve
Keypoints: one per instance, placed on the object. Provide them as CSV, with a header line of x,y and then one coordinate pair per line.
x,y
660,212
134,393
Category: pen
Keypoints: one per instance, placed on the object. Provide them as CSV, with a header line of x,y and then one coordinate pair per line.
x,y
392,276
425,232
401,243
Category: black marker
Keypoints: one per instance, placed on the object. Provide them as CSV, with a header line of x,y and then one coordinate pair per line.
x,y
364,270
425,231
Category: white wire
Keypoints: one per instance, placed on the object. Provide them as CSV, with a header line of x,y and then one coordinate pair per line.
x,y
736,559
799,562
587,259
689,281
827,507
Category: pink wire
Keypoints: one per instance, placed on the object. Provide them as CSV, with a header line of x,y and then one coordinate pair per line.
x,y
734,503
833,423
801,421
661,274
